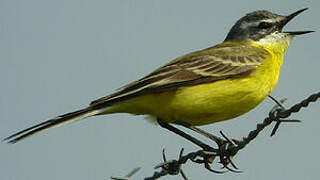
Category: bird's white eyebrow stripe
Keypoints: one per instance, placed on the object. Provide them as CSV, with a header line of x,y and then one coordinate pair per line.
x,y
245,24
272,20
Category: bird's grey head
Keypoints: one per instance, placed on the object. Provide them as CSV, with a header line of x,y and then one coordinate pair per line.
x,y
262,24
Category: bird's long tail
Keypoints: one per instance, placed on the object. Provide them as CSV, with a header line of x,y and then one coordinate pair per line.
x,y
65,118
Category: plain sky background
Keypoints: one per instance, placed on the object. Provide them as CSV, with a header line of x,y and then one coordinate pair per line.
x,y
57,56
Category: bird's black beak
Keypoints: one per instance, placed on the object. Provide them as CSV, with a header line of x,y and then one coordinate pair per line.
x,y
289,18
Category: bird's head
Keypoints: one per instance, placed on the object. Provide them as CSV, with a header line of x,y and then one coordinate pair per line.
x,y
263,27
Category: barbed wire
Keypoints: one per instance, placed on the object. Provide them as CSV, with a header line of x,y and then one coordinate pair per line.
x,y
227,147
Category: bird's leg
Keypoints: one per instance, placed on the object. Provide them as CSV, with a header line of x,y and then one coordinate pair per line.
x,y
226,146
279,103
223,144
216,139
184,135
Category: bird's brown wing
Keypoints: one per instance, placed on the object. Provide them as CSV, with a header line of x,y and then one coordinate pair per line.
x,y
204,66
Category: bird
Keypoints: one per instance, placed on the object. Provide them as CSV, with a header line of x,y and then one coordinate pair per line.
x,y
203,87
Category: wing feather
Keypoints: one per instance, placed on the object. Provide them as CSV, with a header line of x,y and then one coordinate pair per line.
x,y
204,66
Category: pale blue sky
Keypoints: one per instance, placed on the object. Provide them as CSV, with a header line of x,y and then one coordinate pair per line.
x,y
57,56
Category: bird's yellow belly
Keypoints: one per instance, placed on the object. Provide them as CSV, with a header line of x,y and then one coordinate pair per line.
x,y
206,103
209,103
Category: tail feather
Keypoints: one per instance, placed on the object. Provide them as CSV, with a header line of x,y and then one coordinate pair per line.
x,y
65,118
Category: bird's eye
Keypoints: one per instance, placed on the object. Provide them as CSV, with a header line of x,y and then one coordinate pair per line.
x,y
264,25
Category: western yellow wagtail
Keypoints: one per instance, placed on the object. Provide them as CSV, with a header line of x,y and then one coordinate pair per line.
x,y
203,87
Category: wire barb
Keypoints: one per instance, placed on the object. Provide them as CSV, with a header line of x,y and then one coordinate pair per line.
x,y
172,167
128,176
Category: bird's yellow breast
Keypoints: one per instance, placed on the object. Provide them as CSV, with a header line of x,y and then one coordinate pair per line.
x,y
210,102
